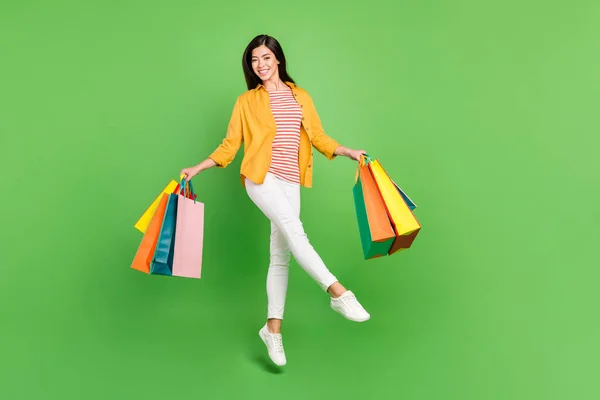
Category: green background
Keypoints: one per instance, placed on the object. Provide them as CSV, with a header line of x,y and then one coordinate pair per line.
x,y
485,113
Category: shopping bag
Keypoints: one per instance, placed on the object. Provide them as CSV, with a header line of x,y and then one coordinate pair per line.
x,y
376,231
189,235
406,225
142,223
162,261
407,199
145,251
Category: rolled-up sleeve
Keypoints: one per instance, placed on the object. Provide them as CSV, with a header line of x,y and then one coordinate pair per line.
x,y
320,140
225,153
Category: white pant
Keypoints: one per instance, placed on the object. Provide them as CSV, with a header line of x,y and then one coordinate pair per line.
x,y
280,202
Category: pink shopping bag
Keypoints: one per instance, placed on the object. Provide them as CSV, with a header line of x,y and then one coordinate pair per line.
x,y
189,234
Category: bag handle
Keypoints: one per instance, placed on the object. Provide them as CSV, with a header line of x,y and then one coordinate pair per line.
x,y
365,159
188,189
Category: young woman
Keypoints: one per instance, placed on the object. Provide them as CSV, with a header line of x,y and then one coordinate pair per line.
x,y
278,124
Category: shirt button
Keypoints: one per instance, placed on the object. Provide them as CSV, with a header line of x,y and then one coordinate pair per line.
x,y
308,165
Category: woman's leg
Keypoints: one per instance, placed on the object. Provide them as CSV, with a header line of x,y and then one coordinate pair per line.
x,y
280,255
280,202
277,279
273,199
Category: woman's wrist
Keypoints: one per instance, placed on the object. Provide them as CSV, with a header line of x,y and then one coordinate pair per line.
x,y
342,151
350,153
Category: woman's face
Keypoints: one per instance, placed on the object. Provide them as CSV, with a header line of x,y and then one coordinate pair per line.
x,y
264,63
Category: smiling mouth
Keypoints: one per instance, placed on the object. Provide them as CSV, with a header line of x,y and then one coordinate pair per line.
x,y
262,72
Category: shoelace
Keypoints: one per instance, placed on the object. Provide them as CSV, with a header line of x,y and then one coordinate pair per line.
x,y
352,302
278,344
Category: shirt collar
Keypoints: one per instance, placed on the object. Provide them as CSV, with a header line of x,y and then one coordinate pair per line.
x,y
290,84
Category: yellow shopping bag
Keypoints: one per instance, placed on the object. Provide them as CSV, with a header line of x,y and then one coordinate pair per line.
x,y
142,224
406,225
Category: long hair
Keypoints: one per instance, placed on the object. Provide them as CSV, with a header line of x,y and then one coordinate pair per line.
x,y
252,80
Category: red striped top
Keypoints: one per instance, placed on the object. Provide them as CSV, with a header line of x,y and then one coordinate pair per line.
x,y
288,118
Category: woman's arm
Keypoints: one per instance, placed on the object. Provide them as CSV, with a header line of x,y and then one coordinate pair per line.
x,y
350,153
225,153
196,169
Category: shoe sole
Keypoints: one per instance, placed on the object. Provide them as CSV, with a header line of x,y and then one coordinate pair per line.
x,y
350,318
261,333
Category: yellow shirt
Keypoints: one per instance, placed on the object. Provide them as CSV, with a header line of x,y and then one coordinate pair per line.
x,y
252,123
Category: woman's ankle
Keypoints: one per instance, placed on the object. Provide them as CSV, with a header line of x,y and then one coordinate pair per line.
x,y
274,325
336,290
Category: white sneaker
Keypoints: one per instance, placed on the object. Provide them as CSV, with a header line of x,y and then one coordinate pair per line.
x,y
274,344
349,307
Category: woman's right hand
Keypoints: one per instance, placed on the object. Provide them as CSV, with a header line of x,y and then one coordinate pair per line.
x,y
191,172
195,170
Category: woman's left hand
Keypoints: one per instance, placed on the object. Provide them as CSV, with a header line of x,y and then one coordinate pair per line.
x,y
351,154
356,154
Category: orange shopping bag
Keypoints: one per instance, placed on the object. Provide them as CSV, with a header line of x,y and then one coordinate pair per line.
x,y
147,246
376,231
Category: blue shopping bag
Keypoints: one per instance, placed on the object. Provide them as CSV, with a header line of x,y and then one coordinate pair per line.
x,y
162,261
